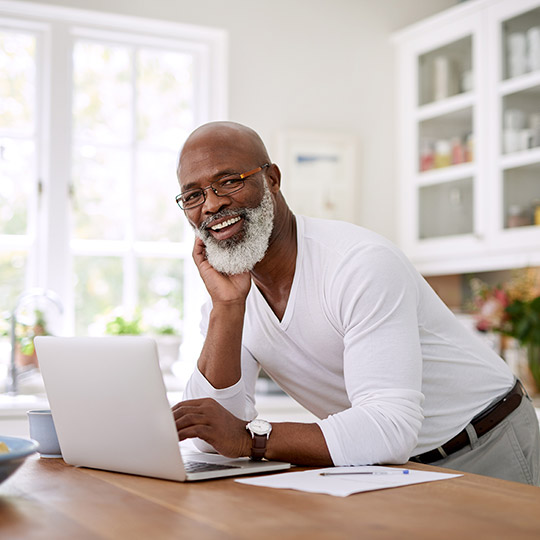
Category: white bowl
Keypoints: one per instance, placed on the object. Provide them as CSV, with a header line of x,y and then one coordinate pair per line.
x,y
19,450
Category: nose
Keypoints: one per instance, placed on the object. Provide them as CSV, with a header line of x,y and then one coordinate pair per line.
x,y
213,203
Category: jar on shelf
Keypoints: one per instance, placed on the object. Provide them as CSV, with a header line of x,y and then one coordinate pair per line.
x,y
534,123
517,54
427,156
518,216
515,134
466,82
469,147
458,151
445,78
443,156
533,48
536,211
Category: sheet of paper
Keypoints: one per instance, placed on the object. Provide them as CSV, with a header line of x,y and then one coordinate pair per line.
x,y
343,485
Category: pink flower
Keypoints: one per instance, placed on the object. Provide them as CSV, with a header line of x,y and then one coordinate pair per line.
x,y
491,312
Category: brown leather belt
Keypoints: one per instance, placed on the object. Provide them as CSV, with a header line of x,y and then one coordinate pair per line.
x,y
482,423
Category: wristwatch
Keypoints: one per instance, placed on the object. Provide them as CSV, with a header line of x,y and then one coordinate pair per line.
x,y
260,431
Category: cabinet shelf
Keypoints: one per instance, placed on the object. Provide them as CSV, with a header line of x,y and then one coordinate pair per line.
x,y
454,104
520,84
446,174
520,159
508,233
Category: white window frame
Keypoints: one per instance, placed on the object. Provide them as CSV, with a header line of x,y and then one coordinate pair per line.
x,y
56,29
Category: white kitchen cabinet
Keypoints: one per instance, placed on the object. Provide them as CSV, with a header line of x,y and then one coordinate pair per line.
x,y
468,87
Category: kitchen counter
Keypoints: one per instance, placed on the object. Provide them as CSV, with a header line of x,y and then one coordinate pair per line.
x,y
46,498
13,419
14,423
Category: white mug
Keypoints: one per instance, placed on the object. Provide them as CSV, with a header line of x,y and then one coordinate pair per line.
x,y
445,79
511,141
517,54
514,119
533,46
42,430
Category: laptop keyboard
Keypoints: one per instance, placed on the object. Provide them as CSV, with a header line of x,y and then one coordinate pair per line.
x,y
199,466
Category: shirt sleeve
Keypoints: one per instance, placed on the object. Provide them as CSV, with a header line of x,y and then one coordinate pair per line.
x,y
238,399
373,300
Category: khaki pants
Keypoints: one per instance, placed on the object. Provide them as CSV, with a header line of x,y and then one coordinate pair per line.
x,y
510,451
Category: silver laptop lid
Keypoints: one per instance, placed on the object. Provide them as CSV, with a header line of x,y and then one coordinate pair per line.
x,y
109,404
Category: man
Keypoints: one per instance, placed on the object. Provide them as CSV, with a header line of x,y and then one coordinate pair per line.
x,y
339,318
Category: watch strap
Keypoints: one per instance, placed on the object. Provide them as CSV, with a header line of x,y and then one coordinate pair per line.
x,y
258,446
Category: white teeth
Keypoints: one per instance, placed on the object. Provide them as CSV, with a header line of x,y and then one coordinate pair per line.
x,y
224,224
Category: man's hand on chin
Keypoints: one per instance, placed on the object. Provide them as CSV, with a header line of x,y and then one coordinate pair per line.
x,y
226,289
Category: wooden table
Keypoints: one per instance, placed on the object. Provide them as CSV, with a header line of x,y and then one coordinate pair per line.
x,y
48,499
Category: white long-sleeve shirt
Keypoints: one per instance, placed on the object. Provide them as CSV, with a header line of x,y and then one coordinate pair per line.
x,y
367,346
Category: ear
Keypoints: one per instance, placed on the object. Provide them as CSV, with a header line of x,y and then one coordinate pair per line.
x,y
274,178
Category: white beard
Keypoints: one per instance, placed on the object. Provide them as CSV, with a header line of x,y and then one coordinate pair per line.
x,y
233,256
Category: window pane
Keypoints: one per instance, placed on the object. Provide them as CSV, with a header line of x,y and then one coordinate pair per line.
x,y
102,97
101,197
17,81
98,288
12,265
446,209
158,215
165,108
17,174
128,128
17,111
161,291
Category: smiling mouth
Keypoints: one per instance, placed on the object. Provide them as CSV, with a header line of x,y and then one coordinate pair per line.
x,y
226,223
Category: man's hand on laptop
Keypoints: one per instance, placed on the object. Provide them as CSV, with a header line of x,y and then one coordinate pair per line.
x,y
206,419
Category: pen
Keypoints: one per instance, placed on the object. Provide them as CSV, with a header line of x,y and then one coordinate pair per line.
x,y
339,473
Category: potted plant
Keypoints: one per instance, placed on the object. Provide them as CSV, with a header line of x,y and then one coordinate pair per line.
x,y
25,354
164,325
121,326
160,323
513,310
522,322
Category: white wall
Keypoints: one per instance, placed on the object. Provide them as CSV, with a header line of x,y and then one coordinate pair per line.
x,y
308,64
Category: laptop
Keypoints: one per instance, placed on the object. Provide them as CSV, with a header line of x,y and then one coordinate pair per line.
x,y
111,411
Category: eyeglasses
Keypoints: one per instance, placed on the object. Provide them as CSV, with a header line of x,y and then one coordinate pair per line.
x,y
222,187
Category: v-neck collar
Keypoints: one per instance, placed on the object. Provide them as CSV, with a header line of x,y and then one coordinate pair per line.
x,y
261,302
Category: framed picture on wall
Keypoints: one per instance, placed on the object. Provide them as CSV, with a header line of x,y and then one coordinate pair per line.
x,y
318,173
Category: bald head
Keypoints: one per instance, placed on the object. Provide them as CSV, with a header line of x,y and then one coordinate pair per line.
x,y
218,150
221,143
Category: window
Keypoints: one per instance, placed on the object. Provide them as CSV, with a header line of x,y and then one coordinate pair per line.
x,y
93,111
132,109
18,163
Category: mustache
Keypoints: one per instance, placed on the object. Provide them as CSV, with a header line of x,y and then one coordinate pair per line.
x,y
227,212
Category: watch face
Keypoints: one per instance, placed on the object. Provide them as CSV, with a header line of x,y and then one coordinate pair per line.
x,y
260,427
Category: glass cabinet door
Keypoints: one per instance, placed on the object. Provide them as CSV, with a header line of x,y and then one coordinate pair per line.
x,y
445,142
520,120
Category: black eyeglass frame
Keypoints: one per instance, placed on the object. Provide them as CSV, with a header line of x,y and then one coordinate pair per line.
x,y
212,186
